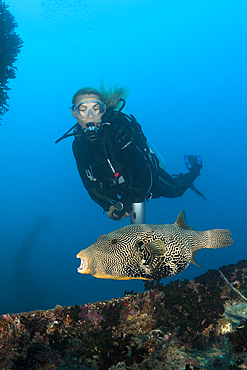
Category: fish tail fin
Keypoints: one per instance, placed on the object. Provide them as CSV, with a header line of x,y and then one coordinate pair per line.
x,y
216,238
219,238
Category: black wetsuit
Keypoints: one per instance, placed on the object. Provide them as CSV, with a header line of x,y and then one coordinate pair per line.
x,y
114,167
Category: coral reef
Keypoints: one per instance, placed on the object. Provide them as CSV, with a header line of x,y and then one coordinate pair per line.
x,y
10,44
199,324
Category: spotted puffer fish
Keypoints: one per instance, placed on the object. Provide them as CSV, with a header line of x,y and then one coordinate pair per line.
x,y
148,252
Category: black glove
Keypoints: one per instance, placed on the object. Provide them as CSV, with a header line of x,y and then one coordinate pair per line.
x,y
119,211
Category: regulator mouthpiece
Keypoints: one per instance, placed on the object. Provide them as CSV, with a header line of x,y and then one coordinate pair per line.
x,y
92,132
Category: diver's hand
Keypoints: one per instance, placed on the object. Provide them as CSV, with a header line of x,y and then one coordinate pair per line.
x,y
114,215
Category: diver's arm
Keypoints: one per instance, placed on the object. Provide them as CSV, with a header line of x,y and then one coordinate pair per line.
x,y
88,180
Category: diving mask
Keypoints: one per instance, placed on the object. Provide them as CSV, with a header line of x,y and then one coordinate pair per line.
x,y
89,109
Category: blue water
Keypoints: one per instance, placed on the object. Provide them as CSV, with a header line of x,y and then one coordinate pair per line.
x,y
185,65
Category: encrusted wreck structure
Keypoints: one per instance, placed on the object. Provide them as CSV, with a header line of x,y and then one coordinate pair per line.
x,y
199,324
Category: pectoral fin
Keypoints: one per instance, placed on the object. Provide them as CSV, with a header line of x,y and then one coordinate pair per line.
x,y
157,246
152,254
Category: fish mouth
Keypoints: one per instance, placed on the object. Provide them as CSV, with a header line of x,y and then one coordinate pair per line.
x,y
83,266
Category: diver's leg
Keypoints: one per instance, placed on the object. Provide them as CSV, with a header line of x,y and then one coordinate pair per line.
x,y
172,187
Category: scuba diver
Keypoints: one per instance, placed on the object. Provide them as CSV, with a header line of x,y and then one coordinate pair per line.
x,y
117,165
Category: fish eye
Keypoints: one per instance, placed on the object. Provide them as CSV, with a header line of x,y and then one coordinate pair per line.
x,y
114,241
139,245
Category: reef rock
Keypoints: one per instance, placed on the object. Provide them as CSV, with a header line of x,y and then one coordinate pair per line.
x,y
198,324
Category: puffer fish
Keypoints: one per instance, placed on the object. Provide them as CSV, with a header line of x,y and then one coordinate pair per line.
x,y
148,252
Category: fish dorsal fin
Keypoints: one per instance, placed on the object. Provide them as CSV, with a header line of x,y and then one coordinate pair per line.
x,y
193,259
181,222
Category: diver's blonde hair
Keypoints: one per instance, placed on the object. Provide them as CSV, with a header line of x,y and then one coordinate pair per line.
x,y
111,98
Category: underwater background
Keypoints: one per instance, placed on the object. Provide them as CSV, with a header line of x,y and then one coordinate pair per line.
x,y
185,65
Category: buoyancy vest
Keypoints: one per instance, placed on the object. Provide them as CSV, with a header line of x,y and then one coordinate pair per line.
x,y
112,120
